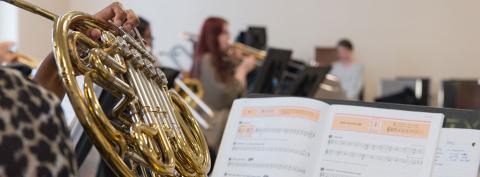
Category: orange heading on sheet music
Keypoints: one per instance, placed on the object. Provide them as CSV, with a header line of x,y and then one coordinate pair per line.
x,y
379,125
296,112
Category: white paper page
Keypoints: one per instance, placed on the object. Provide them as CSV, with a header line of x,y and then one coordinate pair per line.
x,y
274,137
360,141
458,153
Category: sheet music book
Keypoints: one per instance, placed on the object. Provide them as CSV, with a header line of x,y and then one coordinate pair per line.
x,y
284,137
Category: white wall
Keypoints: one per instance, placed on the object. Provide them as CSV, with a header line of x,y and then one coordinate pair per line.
x,y
8,23
31,32
35,32
431,38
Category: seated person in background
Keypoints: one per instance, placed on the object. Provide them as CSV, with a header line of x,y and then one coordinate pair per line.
x,y
349,72
223,77
7,57
146,33
34,140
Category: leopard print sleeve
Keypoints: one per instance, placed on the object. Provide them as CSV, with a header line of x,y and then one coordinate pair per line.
x,y
34,140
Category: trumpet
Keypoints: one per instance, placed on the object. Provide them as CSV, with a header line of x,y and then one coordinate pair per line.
x,y
150,130
30,62
25,59
247,50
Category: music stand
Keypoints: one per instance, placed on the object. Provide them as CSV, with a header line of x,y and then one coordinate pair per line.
x,y
454,118
308,82
272,73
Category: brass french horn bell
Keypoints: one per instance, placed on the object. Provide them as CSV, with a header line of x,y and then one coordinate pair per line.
x,y
152,132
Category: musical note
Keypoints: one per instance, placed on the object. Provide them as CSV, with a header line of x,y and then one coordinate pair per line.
x,y
383,148
393,129
333,175
309,134
267,165
273,149
364,156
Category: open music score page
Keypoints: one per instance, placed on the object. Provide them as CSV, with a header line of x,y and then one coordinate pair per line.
x,y
362,141
271,137
288,136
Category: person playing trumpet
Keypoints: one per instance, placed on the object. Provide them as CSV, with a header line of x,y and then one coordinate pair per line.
x,y
223,76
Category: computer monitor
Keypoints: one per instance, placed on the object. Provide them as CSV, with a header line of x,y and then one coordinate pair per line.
x,y
241,37
308,82
272,72
326,55
256,37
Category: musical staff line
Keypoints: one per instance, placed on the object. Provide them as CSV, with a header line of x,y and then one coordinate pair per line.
x,y
404,130
383,148
268,165
374,157
309,134
272,149
323,174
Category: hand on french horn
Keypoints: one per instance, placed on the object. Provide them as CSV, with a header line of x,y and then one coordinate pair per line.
x,y
121,17
47,73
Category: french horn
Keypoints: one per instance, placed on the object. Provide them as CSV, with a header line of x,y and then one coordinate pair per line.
x,y
152,132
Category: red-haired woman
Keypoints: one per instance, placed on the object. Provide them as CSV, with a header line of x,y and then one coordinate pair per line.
x,y
224,78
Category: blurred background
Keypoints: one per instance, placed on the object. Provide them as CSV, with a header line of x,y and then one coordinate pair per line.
x,y
401,51
435,39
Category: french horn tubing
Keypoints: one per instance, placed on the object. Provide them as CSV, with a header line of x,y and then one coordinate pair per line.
x,y
152,133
